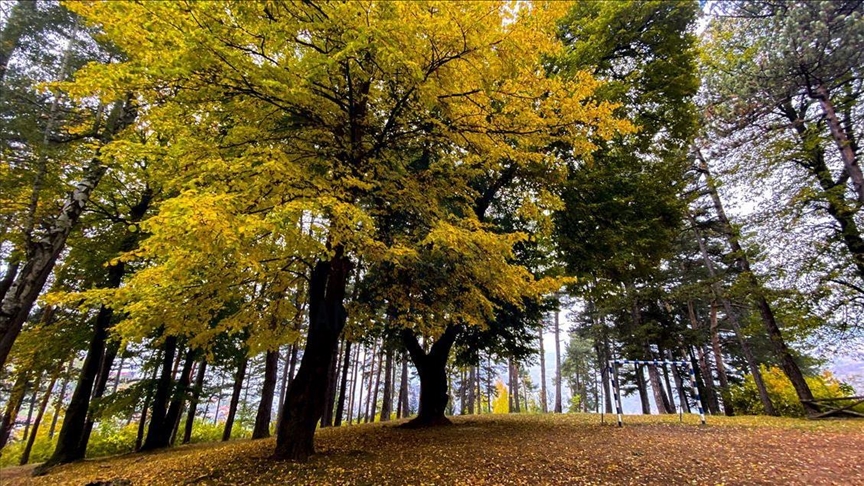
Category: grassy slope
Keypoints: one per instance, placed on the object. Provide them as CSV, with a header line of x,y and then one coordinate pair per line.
x,y
522,449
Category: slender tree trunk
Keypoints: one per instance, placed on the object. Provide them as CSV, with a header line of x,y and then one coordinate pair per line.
x,y
284,387
558,408
332,386
844,145
139,439
30,406
710,392
99,389
403,387
472,389
736,327
603,364
387,399
28,448
60,398
370,384
343,385
669,391
781,350
235,399
41,257
268,389
377,383
432,369
304,404
193,403
178,399
351,396
543,405
643,392
158,426
13,405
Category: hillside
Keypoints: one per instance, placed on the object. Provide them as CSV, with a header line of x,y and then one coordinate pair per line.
x,y
508,449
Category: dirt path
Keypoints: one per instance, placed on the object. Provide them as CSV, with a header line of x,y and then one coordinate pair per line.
x,y
500,449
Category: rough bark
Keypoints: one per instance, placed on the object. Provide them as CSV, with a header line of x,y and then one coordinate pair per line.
x,y
193,402
239,377
304,404
42,254
268,389
432,369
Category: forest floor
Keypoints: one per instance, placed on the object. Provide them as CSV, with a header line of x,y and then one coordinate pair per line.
x,y
510,449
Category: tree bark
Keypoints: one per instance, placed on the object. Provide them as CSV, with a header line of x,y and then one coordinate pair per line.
x,y
709,391
343,385
157,433
387,399
472,389
351,396
844,145
781,350
558,408
543,405
432,369
403,387
332,386
377,383
643,392
369,384
235,399
41,257
193,403
99,389
60,398
178,399
13,405
304,404
25,456
265,406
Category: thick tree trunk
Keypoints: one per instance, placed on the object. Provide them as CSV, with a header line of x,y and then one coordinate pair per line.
x,y
432,369
235,399
268,389
304,404
41,257
157,433
387,399
28,448
558,408
193,403
781,350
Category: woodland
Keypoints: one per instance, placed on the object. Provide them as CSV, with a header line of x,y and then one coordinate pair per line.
x,y
253,219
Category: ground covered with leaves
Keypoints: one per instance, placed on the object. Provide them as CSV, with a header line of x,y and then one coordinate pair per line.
x,y
511,449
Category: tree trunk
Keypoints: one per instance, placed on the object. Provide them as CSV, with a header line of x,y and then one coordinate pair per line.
x,y
99,389
178,399
403,387
679,386
284,387
343,385
387,399
472,388
669,391
235,399
558,408
709,392
351,396
643,392
304,404
25,456
733,321
543,405
157,433
30,406
265,406
41,257
72,431
13,405
844,145
432,369
781,350
370,385
139,439
377,383
60,398
332,386
193,403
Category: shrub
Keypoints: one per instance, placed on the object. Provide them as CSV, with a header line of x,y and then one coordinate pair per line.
x,y
745,397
